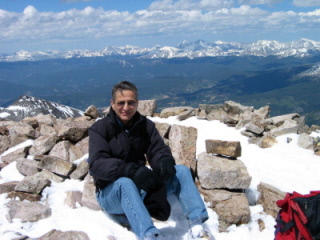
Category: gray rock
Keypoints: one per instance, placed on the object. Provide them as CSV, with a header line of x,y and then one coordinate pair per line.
x,y
92,112
57,165
69,235
163,128
81,171
269,195
183,145
27,211
5,143
17,154
174,111
231,207
43,145
33,184
305,141
228,148
83,145
8,187
89,195
147,107
27,167
288,126
72,198
216,172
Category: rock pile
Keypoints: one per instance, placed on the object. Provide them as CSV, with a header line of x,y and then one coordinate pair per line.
x,y
53,150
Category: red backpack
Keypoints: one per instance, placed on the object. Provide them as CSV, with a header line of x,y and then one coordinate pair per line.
x,y
299,217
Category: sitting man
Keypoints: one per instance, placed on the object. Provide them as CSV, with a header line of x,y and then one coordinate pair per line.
x,y
119,146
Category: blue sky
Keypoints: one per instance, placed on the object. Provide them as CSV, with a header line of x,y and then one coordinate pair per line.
x,y
42,25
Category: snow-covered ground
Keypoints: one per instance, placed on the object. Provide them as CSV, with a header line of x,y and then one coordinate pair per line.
x,y
285,166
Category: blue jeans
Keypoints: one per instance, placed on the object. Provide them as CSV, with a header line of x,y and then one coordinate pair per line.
x,y
123,197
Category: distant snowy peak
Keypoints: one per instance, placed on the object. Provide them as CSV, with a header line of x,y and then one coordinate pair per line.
x,y
200,48
26,106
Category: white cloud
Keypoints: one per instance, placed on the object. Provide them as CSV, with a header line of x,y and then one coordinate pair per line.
x,y
306,3
162,19
256,2
206,5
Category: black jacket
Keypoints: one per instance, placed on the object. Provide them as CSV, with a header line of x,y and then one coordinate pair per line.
x,y
112,147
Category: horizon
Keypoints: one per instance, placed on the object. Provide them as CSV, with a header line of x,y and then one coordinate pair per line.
x,y
63,25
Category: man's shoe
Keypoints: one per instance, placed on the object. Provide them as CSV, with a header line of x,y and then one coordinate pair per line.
x,y
203,234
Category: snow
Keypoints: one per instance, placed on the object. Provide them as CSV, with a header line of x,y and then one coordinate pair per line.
x,y
285,166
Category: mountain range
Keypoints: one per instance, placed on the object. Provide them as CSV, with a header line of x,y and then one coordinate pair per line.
x,y
200,48
284,76
27,106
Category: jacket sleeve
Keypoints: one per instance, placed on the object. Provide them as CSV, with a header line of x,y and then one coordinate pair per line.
x,y
157,150
101,164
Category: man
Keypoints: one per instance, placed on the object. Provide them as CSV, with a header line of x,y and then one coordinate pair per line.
x,y
119,146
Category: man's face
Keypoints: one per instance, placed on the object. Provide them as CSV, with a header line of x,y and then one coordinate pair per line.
x,y
125,105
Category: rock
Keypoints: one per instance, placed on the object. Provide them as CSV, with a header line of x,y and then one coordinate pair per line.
x,y
279,120
305,141
228,148
267,141
83,145
174,111
43,145
17,154
216,172
24,196
47,119
51,176
268,197
47,130
92,112
72,198
56,165
163,129
27,211
231,207
200,113
68,235
183,145
89,195
33,184
5,143
72,130
288,126
27,167
186,114
8,187
81,171
147,107
65,150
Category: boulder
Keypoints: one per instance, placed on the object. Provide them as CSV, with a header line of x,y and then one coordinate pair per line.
x,y
217,172
305,141
92,112
65,150
27,167
17,154
89,195
268,197
56,165
81,171
68,235
174,111
8,186
228,148
27,211
183,145
231,207
147,107
33,184
73,198
43,145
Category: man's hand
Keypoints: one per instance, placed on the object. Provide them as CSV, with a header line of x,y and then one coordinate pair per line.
x,y
167,169
146,179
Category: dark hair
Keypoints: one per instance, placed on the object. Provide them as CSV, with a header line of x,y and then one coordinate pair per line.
x,y
124,85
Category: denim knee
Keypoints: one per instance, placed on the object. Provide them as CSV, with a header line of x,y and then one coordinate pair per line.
x,y
182,170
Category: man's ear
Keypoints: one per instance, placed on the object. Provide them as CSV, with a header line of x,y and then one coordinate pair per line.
x,y
111,103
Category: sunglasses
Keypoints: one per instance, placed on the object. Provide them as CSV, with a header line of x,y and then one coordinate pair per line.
x,y
131,103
